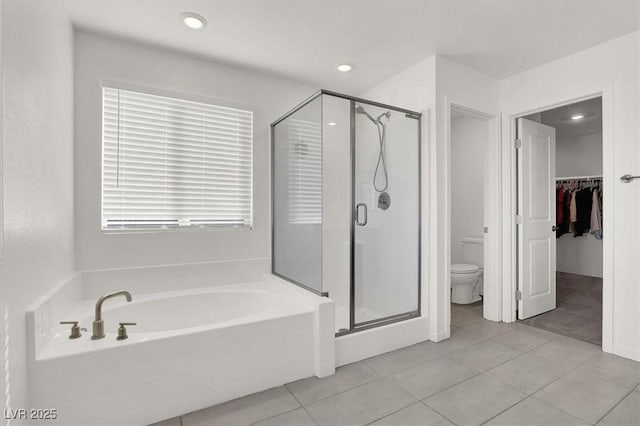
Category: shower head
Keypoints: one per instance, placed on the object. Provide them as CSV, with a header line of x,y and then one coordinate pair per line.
x,y
360,110
376,121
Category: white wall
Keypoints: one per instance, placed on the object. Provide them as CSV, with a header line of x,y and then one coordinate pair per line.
x,y
579,255
468,154
612,69
37,70
3,287
99,58
579,156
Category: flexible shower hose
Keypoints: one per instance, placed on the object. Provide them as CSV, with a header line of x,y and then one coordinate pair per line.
x,y
381,160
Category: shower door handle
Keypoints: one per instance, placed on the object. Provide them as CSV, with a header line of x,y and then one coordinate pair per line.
x,y
358,214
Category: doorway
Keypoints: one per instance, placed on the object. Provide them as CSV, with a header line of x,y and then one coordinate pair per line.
x,y
469,137
559,220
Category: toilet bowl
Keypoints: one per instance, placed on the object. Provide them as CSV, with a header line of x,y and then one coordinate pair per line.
x,y
466,276
466,283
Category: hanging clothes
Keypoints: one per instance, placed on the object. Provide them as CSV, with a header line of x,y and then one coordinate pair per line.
x,y
573,212
562,209
559,205
578,208
563,226
584,201
596,215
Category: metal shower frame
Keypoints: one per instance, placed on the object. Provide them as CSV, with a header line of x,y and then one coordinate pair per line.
x,y
353,326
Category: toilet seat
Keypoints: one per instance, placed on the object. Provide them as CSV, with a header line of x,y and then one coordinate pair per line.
x,y
464,268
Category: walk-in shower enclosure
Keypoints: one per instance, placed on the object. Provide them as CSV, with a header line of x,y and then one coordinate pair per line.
x,y
346,206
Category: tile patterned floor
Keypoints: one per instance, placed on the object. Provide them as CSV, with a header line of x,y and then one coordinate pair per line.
x,y
486,373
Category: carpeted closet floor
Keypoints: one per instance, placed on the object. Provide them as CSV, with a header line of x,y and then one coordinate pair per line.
x,y
579,311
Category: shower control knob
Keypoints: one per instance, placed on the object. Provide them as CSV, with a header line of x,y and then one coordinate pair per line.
x,y
384,200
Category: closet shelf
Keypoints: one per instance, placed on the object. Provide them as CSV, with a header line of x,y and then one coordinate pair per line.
x,y
579,177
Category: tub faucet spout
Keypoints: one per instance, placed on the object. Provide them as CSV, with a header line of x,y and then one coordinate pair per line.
x,y
98,323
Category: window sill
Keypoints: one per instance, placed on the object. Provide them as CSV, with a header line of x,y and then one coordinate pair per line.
x,y
158,230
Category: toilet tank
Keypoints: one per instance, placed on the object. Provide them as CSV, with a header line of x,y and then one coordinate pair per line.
x,y
472,250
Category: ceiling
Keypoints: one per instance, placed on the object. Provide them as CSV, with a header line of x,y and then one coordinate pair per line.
x,y
305,39
566,128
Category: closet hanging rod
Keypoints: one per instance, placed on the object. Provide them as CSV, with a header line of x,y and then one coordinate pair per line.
x,y
594,177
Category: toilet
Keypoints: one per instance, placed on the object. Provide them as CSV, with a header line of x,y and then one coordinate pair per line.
x,y
466,278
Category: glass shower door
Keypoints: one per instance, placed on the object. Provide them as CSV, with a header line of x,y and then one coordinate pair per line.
x,y
386,209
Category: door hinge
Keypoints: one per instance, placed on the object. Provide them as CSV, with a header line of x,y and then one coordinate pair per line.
x,y
518,295
518,219
517,143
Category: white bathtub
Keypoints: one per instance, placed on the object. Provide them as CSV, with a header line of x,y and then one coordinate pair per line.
x,y
189,350
194,309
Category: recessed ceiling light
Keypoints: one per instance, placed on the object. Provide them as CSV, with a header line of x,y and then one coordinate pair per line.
x,y
346,67
332,123
193,20
577,117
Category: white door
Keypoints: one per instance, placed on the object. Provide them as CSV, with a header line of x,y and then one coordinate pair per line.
x,y
537,210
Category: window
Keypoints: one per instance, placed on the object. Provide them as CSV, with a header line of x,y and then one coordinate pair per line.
x,y
173,163
305,172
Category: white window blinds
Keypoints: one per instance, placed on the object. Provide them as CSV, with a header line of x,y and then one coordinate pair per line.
x,y
305,172
174,163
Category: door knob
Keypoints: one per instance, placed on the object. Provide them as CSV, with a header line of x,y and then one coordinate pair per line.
x,y
554,228
628,178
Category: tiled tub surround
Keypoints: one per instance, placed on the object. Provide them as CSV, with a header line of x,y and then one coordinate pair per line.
x,y
191,348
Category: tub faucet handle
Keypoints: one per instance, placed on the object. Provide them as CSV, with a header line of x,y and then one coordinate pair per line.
x,y
122,331
75,329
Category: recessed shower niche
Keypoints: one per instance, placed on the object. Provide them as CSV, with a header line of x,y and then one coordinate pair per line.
x,y
346,207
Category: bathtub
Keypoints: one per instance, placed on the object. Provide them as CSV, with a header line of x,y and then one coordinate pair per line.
x,y
190,349
164,312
